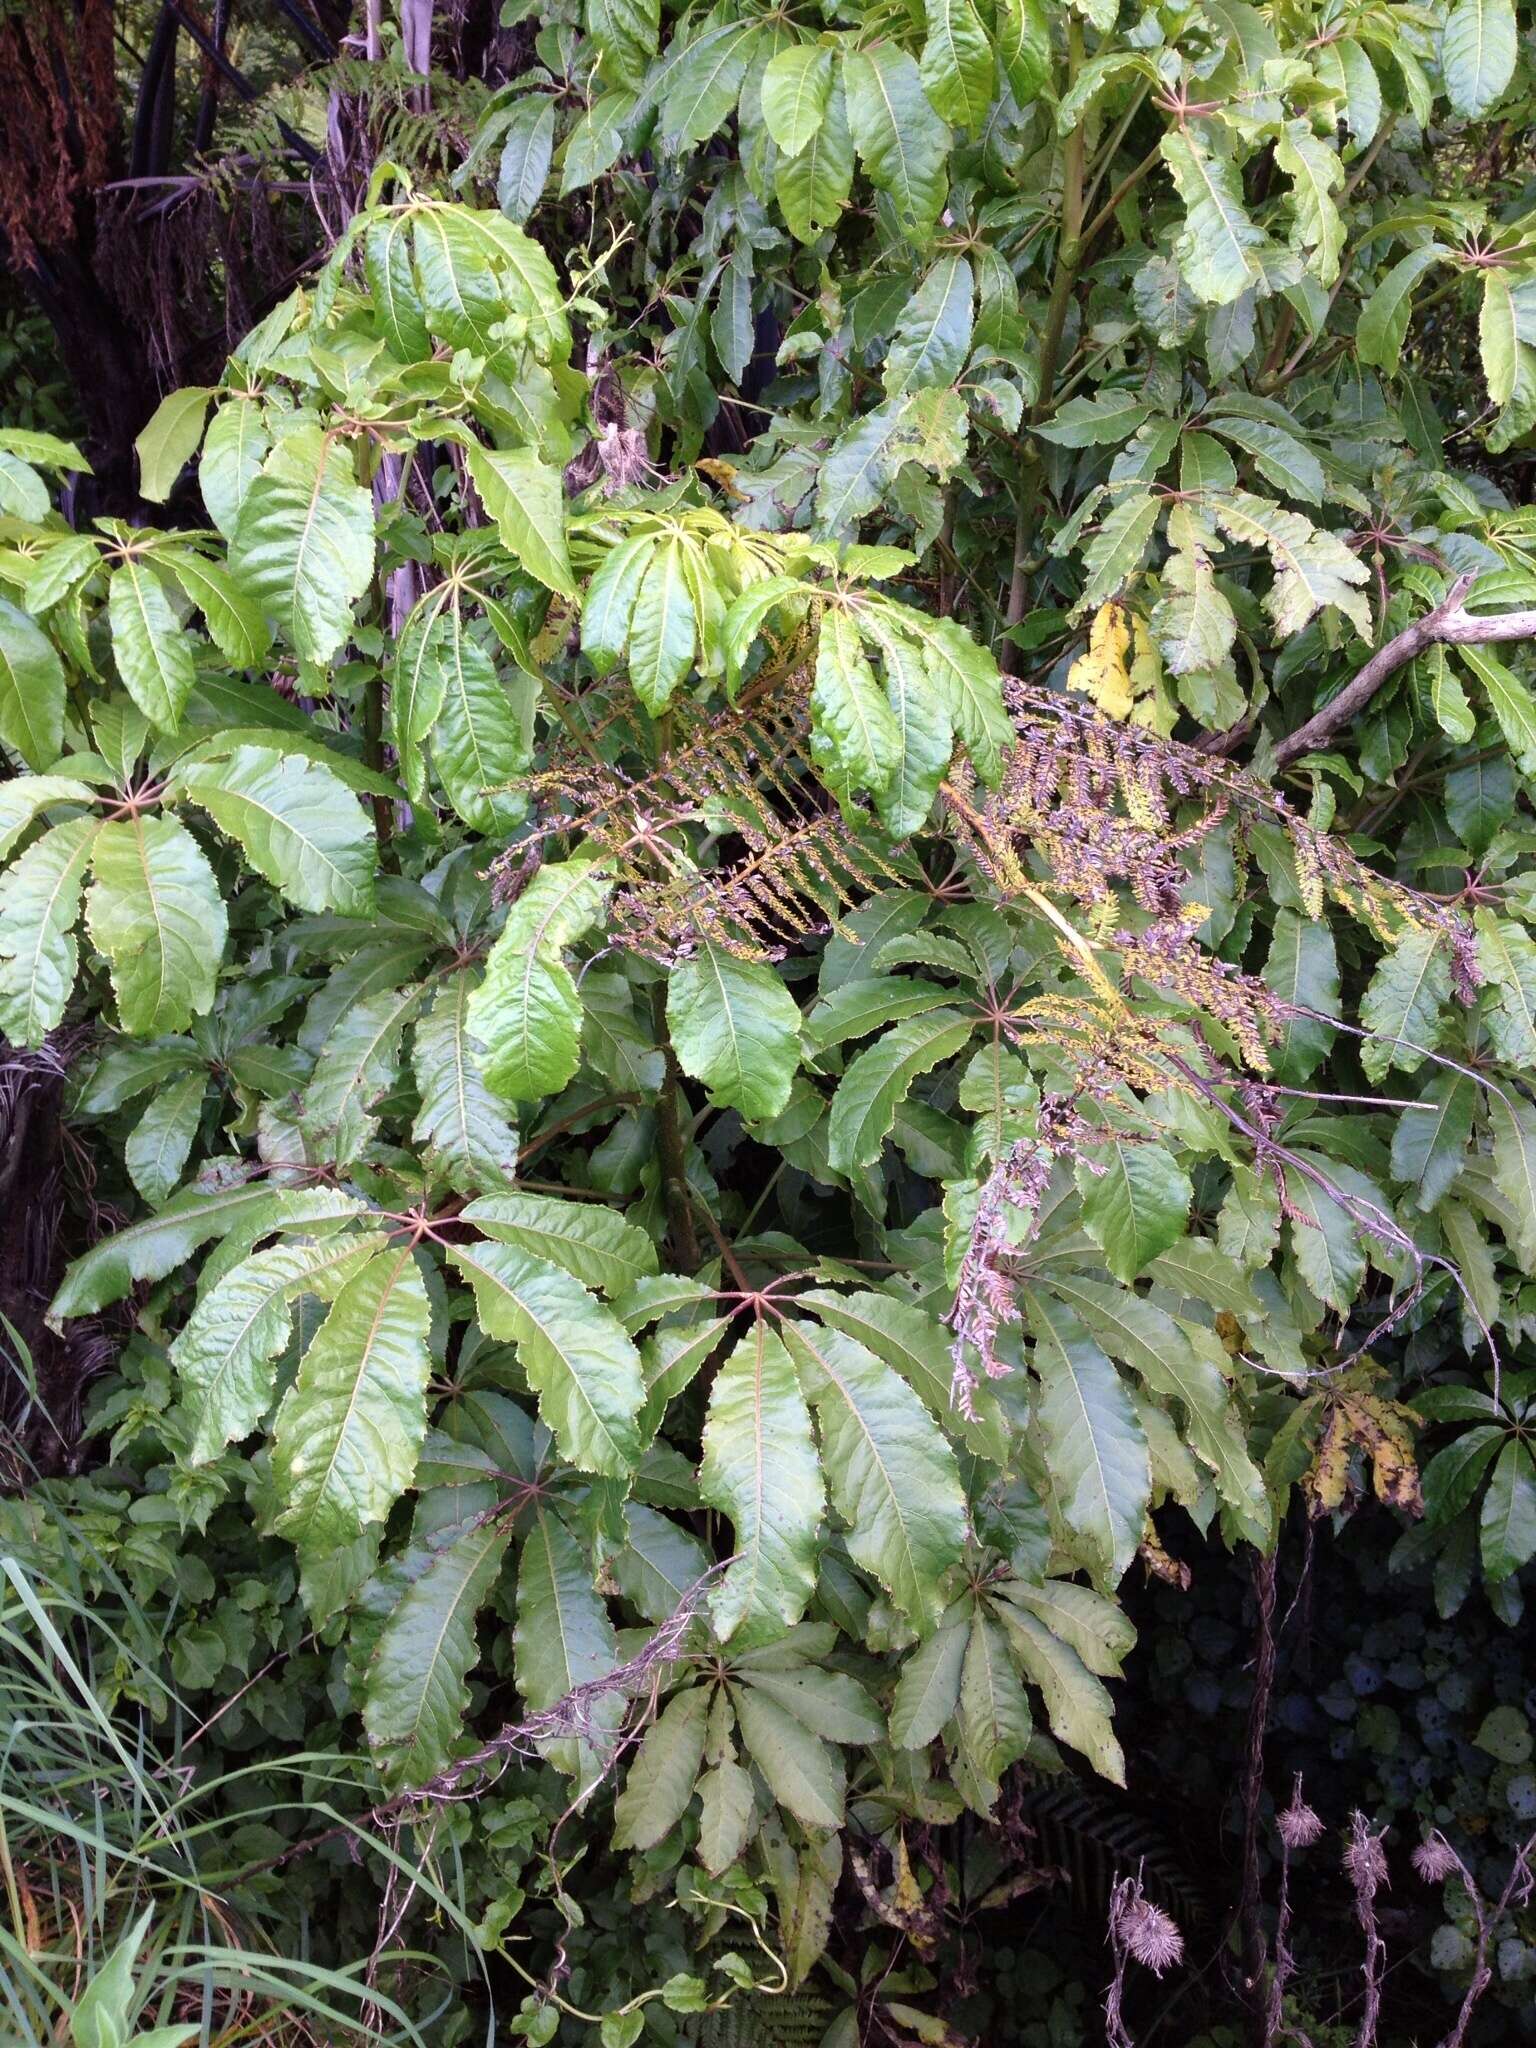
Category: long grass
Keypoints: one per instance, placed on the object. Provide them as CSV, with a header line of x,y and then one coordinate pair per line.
x,y
103,1818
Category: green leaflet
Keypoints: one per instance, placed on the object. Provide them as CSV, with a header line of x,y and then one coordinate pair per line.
x,y
608,607
157,1147
1312,568
155,1246
1136,1206
812,186
523,495
527,1012
237,626
563,1636
31,689
169,441
663,1772
359,1063
593,1243
225,1357
901,141
760,1469
957,67
297,822
39,903
348,1431
303,542
1402,1007
525,157
933,335
154,909
1383,325
1303,970
1096,1451
415,1693
461,1123
797,84
890,1473
1429,1141
1507,1524
1217,251
928,1690
577,1357
482,731
802,1772
1165,1355
735,1027
663,626
152,652
1478,46
994,1723
855,737
864,1107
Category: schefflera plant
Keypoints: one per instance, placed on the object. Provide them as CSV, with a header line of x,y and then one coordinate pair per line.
x,y
646,1064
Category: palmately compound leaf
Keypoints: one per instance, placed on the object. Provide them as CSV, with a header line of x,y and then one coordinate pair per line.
x,y
802,1772
350,1427
1076,1702
760,1469
39,905
225,1357
299,824
890,1471
735,1027
461,1123
576,1354
527,1011
155,910
415,1694
303,542
591,1241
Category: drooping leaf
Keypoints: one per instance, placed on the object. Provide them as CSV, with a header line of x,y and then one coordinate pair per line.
x,y
461,1123
298,824
155,910
31,689
415,1693
575,1353
760,1469
901,141
864,1107
303,541
1097,1451
39,905
735,1027
1136,1207
349,1429
891,1475
663,1772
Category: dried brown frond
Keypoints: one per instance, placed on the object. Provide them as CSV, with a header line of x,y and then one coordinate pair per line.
x,y
735,786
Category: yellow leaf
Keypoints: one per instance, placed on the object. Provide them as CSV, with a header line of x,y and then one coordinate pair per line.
x,y
1101,674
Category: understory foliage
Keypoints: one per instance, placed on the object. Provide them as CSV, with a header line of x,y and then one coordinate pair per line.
x,y
727,1063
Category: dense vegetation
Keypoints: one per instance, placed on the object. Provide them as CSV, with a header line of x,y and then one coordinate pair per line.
x,y
769,1009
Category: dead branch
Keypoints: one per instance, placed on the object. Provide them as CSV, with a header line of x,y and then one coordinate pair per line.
x,y
1448,624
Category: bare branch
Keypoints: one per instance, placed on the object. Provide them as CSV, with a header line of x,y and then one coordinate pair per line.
x,y
1448,624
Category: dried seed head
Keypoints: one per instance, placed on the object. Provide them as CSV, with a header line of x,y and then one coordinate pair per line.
x,y
1365,1860
1149,1934
1435,1860
1299,1825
